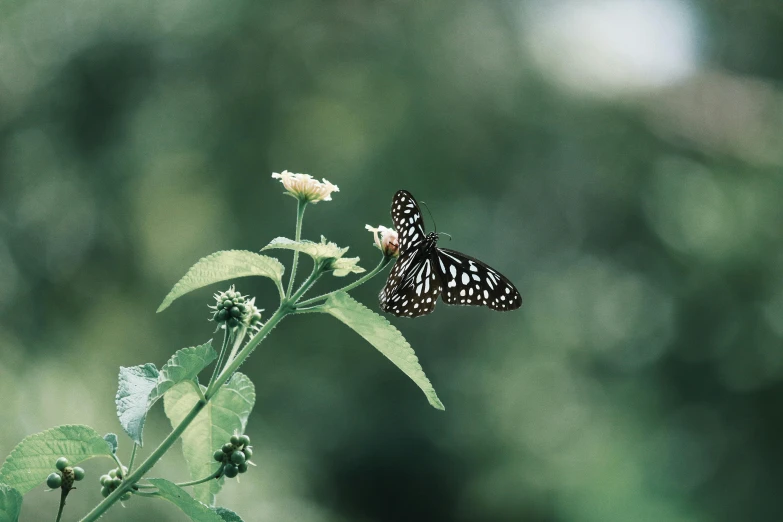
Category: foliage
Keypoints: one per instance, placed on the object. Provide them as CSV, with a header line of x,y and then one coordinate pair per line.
x,y
210,419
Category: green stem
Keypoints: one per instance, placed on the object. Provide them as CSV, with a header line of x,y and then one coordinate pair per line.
x,y
146,494
223,348
214,475
117,460
63,494
132,457
369,275
300,208
240,336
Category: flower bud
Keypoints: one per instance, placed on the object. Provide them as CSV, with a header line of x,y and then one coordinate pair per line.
x,y
61,463
386,240
54,481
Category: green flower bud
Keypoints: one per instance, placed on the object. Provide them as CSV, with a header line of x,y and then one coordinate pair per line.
x,y
78,473
235,440
219,455
242,467
126,496
248,452
104,479
237,457
61,463
105,491
122,472
54,481
228,448
233,322
236,312
244,439
230,471
228,303
113,473
115,483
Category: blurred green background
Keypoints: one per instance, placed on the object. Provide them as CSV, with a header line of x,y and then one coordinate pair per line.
x,y
620,160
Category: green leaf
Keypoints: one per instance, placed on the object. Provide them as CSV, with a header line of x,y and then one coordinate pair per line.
x,y
222,266
223,416
385,337
318,251
197,511
111,438
141,386
324,250
184,365
346,265
133,391
33,459
11,504
227,515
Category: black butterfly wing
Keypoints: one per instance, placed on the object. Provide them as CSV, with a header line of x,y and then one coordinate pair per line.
x,y
413,285
407,220
468,281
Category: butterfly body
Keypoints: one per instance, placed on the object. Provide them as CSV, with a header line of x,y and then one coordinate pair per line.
x,y
423,272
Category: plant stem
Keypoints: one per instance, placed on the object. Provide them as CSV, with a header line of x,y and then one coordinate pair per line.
x,y
369,275
63,494
214,475
117,460
132,457
300,208
219,362
146,494
242,355
240,336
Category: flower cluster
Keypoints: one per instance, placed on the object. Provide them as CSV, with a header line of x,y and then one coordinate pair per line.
x,y
65,475
306,188
232,309
112,481
386,240
235,455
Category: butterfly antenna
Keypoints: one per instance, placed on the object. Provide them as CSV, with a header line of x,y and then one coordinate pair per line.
x,y
445,234
435,225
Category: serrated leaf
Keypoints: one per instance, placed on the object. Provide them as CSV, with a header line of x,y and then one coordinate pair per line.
x,y
32,460
184,365
11,504
383,336
227,515
324,250
133,391
318,251
346,265
141,386
224,415
111,438
223,266
197,511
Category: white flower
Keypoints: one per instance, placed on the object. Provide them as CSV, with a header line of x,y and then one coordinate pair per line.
x,y
386,240
306,188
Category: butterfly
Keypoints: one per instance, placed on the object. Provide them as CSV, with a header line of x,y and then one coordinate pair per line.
x,y
423,271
